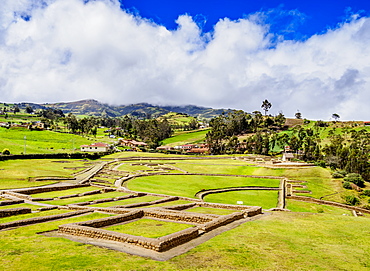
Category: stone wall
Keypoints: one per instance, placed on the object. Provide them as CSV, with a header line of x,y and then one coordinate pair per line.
x,y
178,216
37,190
221,221
224,206
14,211
35,220
11,202
330,203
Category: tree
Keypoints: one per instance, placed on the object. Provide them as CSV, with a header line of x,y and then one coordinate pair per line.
x,y
266,105
298,115
29,109
335,116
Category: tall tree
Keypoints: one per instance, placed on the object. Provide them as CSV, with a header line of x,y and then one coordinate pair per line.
x,y
266,105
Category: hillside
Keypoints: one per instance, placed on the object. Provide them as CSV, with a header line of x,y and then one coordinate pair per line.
x,y
144,110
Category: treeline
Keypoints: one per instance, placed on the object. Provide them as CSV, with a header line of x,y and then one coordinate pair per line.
x,y
348,150
225,128
151,131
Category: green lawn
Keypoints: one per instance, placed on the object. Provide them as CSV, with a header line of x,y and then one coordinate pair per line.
x,y
186,138
85,198
55,194
187,186
215,211
16,173
39,141
300,206
149,228
127,201
265,199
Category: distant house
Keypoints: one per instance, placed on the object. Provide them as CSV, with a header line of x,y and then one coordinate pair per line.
x,y
38,125
287,156
165,148
96,147
198,150
132,143
367,123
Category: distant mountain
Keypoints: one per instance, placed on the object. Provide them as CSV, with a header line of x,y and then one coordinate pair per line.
x,y
95,108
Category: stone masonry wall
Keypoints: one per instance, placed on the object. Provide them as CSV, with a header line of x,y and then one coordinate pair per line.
x,y
331,203
35,220
14,211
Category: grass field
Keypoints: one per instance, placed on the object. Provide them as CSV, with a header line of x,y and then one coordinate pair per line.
x,y
16,173
39,141
186,138
265,199
187,186
149,228
311,237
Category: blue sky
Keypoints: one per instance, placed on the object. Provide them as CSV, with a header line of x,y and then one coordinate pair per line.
x,y
305,17
311,56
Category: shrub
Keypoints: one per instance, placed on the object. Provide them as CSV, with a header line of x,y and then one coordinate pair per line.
x,y
366,193
337,175
321,164
355,178
352,200
6,152
347,185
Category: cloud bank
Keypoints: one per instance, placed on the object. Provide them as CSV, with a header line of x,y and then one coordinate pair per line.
x,y
65,50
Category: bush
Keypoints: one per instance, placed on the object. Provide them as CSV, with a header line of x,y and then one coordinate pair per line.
x,y
352,200
6,152
347,185
337,175
355,178
366,193
321,164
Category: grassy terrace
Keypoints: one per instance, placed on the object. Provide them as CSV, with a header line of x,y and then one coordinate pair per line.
x,y
85,198
16,173
265,199
54,194
215,211
186,138
311,237
39,141
149,228
127,201
187,186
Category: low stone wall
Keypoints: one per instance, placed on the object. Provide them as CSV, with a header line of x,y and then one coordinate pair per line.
x,y
224,206
37,190
221,221
103,222
330,203
41,199
88,193
178,216
14,211
92,229
256,210
17,195
11,202
35,220
180,207
142,204
47,208
177,238
69,196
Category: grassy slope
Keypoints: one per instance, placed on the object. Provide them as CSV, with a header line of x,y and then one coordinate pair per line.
x,y
281,241
186,138
39,141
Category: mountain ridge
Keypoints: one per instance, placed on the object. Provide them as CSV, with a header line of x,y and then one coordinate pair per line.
x,y
92,107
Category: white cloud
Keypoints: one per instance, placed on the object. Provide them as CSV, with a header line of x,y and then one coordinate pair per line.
x,y
69,50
